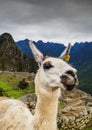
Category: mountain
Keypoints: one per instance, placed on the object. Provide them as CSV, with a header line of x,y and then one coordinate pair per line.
x,y
49,48
81,58
11,58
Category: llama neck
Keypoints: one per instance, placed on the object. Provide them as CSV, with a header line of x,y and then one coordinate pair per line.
x,y
46,110
47,105
45,114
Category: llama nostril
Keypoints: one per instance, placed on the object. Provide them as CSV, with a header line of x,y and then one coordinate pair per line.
x,y
64,77
70,72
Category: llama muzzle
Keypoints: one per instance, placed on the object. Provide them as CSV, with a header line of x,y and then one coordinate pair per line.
x,y
69,80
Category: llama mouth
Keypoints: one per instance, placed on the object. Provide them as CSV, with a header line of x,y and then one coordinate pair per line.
x,y
69,80
69,87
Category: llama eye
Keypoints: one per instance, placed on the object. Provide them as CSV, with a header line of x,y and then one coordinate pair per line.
x,y
47,65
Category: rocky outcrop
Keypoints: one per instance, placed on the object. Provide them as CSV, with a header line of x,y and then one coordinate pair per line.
x,y
11,58
74,118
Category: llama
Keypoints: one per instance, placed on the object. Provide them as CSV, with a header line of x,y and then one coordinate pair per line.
x,y
54,75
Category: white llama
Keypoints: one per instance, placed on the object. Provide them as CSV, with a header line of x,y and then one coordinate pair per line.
x,y
53,74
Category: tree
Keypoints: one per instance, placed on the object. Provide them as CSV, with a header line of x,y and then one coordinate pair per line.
x,y
23,84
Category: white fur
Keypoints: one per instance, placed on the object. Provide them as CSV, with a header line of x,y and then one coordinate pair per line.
x,y
14,115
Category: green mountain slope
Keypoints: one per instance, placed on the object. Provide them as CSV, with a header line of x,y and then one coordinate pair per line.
x,y
11,58
81,58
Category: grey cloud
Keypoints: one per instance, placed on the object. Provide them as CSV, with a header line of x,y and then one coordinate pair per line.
x,y
47,19
28,13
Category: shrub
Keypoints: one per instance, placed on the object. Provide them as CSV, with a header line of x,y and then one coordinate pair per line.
x,y
23,85
1,92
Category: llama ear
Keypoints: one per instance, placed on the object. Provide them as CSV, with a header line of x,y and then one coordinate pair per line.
x,y
65,55
37,54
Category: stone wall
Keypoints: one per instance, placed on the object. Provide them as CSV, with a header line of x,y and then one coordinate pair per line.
x,y
76,118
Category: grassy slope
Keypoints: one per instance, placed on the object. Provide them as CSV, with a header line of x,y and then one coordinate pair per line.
x,y
9,84
90,128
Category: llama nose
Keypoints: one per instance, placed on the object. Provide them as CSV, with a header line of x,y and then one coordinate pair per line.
x,y
69,79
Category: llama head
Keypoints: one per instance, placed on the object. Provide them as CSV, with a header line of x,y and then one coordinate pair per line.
x,y
54,72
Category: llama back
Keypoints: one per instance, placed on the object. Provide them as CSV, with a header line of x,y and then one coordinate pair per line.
x,y
14,115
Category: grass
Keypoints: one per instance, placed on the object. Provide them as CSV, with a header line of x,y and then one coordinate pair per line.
x,y
4,85
61,105
15,93
89,128
9,84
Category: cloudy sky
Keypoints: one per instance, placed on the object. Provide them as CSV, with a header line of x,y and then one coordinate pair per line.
x,y
48,20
